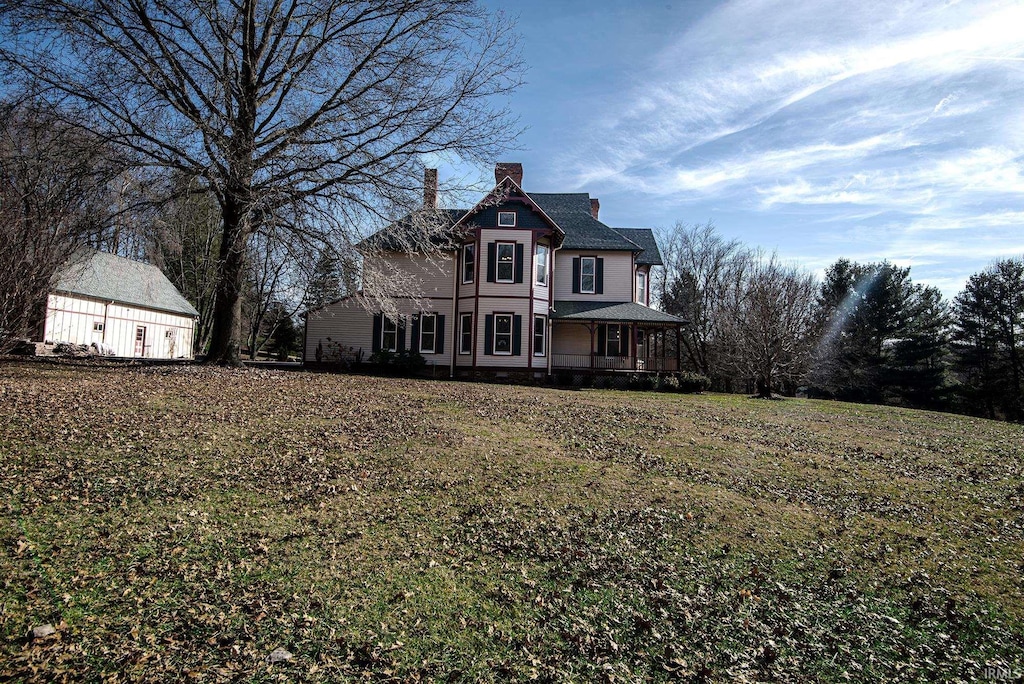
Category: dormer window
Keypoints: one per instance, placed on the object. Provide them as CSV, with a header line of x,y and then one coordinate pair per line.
x,y
506,219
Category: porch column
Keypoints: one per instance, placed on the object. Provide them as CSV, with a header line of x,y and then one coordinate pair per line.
x,y
679,338
634,349
593,331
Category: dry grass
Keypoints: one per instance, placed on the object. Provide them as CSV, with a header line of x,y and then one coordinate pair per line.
x,y
185,522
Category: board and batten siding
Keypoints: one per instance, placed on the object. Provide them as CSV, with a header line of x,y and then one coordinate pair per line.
x,y
73,319
618,277
347,327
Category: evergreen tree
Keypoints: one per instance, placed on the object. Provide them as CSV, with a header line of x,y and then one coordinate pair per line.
x,y
989,341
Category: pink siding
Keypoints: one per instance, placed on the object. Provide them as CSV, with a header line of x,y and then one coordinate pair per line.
x,y
618,276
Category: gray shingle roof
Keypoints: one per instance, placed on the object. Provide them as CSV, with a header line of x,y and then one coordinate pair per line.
x,y
406,234
644,237
628,312
582,231
112,278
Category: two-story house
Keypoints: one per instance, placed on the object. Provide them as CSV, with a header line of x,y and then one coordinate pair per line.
x,y
532,283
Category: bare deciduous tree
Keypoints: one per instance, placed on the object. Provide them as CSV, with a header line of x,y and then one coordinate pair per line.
x,y
55,196
317,108
769,322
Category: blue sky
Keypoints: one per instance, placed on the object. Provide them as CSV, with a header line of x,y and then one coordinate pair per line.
x,y
867,130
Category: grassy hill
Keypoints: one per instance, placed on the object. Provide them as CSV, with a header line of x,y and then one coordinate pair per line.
x,y
186,522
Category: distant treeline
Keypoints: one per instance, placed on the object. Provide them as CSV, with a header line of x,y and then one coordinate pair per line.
x,y
865,333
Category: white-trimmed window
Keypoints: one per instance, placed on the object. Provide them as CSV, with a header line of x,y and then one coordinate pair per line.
x,y
542,265
428,333
540,327
503,334
506,219
588,274
468,263
389,334
613,345
505,268
466,333
641,287
97,326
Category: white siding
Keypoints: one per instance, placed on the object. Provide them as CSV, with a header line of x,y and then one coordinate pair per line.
x,y
618,276
347,327
166,335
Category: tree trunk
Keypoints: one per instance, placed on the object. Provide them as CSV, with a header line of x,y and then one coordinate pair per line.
x,y
225,335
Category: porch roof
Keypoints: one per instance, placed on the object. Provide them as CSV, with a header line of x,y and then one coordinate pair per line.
x,y
623,312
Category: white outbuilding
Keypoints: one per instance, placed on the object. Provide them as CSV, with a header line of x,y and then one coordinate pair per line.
x,y
120,307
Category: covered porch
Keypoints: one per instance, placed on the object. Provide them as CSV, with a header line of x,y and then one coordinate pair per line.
x,y
610,337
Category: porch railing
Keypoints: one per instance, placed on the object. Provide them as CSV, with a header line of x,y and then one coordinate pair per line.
x,y
613,363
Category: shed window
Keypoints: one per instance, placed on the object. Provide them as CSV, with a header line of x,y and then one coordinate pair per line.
x,y
97,326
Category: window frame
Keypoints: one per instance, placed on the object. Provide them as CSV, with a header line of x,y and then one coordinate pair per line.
x,y
384,332
502,214
498,263
495,334
540,325
592,274
433,333
608,340
469,265
97,326
641,276
465,333
541,277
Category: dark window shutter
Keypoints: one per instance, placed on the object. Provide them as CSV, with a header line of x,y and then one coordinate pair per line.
x,y
599,276
378,324
517,334
401,333
439,335
602,339
414,343
519,262
488,335
625,344
492,261
576,275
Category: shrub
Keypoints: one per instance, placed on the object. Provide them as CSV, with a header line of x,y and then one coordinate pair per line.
x,y
405,362
668,383
693,382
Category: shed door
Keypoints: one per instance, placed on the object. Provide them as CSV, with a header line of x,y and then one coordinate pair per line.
x,y
140,340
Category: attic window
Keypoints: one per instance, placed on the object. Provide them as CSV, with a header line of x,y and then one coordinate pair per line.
x,y
507,219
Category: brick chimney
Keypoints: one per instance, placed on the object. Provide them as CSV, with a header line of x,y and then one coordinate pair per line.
x,y
429,188
513,170
595,206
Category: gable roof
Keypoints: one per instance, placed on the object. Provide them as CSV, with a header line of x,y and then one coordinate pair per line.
x,y
644,238
109,277
568,212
